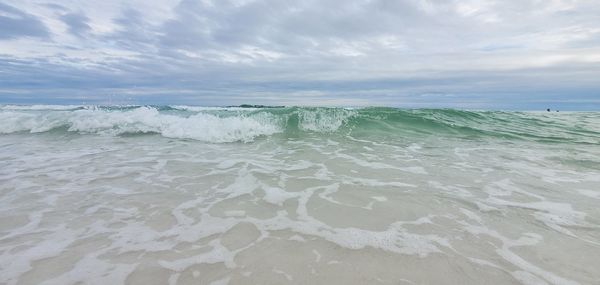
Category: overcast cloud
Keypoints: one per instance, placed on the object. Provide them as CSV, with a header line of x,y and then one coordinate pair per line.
x,y
511,54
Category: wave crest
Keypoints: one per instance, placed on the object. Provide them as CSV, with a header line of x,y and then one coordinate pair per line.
x,y
323,120
203,127
225,124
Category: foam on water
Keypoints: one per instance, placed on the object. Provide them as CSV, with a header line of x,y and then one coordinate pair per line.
x,y
41,107
323,120
405,196
203,127
228,124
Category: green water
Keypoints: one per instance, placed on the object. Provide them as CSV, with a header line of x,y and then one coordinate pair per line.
x,y
195,195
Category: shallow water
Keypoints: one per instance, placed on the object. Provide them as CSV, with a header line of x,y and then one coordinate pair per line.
x,y
189,195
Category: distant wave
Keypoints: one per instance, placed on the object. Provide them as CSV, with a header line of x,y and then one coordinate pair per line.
x,y
231,124
41,107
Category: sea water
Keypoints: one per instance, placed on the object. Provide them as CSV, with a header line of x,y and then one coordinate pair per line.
x,y
201,195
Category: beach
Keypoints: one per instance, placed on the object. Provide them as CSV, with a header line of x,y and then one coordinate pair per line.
x,y
297,195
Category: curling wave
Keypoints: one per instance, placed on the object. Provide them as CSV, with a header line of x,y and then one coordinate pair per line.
x,y
231,124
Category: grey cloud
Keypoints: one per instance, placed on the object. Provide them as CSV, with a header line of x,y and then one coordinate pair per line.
x,y
77,23
282,23
56,7
15,23
375,51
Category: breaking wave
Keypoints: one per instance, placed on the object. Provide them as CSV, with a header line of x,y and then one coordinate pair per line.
x,y
231,124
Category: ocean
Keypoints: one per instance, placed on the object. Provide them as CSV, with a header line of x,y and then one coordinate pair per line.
x,y
297,195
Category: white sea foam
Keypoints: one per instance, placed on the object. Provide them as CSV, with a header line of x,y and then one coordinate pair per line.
x,y
203,127
323,120
589,193
237,124
201,108
98,210
40,107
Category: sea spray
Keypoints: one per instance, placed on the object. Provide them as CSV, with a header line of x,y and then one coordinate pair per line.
x,y
231,124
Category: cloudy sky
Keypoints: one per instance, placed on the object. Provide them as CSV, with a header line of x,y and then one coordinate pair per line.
x,y
502,54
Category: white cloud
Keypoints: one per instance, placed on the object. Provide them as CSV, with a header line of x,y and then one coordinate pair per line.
x,y
311,40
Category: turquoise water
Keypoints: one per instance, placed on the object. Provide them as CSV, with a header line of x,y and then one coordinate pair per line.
x,y
216,124
187,194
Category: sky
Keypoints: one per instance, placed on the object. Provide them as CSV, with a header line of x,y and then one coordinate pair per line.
x,y
472,54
